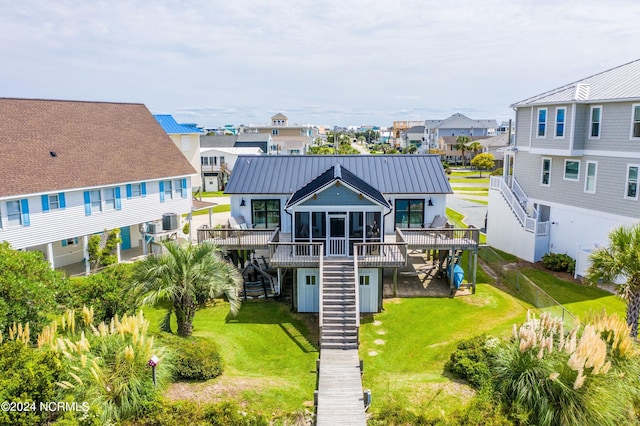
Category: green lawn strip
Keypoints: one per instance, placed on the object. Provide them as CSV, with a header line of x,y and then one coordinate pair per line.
x,y
578,299
419,335
216,209
214,194
470,189
483,180
265,348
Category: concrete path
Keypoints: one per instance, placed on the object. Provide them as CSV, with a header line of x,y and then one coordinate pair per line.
x,y
474,213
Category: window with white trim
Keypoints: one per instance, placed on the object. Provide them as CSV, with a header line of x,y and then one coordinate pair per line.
x,y
635,125
595,120
545,178
96,200
542,123
365,279
560,119
571,170
54,202
178,188
310,280
136,190
168,190
590,176
14,213
110,198
631,186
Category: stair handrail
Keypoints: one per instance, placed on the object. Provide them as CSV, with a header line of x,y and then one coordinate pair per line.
x,y
527,222
357,291
321,287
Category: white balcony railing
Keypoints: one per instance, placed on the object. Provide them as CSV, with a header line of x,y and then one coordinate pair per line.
x,y
528,221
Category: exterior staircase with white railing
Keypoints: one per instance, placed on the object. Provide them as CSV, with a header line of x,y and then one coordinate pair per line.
x,y
339,308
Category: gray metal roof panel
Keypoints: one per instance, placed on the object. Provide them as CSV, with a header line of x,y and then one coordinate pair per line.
x,y
284,174
622,82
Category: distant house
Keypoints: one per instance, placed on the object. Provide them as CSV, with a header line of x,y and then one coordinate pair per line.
x,y
314,210
573,172
218,163
288,139
73,169
495,145
457,125
186,137
450,152
414,136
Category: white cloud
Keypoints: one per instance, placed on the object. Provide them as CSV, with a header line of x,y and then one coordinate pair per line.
x,y
325,61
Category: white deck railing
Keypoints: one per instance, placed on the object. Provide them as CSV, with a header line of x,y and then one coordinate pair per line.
x,y
321,288
357,293
529,222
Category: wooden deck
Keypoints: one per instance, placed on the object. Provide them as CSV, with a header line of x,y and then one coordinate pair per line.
x,y
340,396
440,239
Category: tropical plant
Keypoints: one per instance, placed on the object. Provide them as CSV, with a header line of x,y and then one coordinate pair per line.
x,y
559,262
621,258
462,145
475,146
183,279
483,161
545,376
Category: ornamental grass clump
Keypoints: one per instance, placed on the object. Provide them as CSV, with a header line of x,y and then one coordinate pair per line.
x,y
546,376
107,363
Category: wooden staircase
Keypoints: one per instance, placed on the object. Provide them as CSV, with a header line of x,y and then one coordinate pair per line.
x,y
339,325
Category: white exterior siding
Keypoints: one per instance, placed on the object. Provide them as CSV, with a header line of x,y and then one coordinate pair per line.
x,y
56,225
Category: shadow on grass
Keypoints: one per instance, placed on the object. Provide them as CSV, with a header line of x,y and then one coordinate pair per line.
x,y
563,291
296,326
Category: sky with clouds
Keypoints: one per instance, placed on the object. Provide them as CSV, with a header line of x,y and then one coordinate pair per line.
x,y
325,62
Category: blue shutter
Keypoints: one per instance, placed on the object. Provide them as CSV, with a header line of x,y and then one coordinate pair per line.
x,y
118,199
45,203
143,187
184,188
26,221
75,240
61,200
87,203
161,183
64,243
128,191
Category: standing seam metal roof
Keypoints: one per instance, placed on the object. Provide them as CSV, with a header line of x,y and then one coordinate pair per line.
x,y
170,125
285,174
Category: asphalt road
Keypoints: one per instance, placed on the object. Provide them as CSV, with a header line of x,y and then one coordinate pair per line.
x,y
474,213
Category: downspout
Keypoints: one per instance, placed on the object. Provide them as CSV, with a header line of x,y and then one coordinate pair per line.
x,y
573,125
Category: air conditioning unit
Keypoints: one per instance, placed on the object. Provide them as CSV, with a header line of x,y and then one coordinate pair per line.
x,y
154,227
169,221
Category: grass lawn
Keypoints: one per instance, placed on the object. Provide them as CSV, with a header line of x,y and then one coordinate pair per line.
x,y
578,299
269,361
216,209
405,347
214,194
470,189
471,179
483,202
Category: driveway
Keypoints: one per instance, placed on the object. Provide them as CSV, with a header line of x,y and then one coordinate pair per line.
x,y
474,213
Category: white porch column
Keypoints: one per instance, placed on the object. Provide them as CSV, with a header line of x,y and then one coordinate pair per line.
x,y
118,254
50,255
210,217
85,253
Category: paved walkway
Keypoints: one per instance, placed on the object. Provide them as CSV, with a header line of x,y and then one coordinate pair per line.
x,y
474,213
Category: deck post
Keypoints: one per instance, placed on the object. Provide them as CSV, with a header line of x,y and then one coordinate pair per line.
x,y
395,281
475,268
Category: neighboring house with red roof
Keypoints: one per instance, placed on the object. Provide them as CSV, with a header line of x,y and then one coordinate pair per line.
x,y
72,169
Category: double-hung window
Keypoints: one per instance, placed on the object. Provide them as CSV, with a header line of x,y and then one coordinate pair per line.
x,y
178,188
545,178
571,170
595,120
110,199
560,120
168,190
542,123
631,187
96,200
635,125
14,213
590,177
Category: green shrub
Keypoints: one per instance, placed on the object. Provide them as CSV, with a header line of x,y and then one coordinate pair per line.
x,y
192,414
105,291
194,358
497,172
28,375
470,361
559,262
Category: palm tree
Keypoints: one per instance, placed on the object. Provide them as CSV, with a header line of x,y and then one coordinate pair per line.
x,y
184,278
475,146
461,145
621,258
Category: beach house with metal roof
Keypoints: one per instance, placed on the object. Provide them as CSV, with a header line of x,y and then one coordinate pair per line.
x,y
72,169
573,172
362,209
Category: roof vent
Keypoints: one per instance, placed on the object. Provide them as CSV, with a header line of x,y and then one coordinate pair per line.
x,y
53,153
582,92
